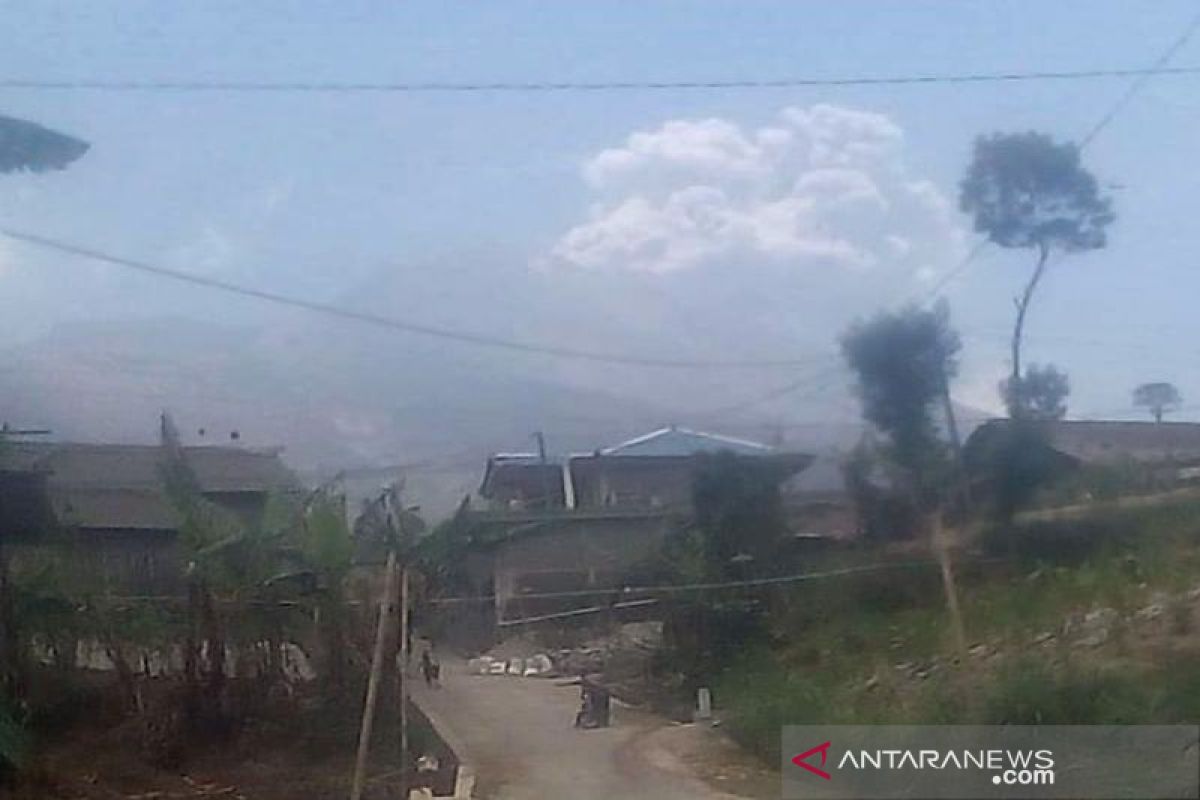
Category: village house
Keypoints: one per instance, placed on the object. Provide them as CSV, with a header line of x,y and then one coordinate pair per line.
x,y
1151,455
653,471
1169,445
818,503
109,500
592,520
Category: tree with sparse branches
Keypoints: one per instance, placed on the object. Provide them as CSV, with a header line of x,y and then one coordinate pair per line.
x,y
1158,398
1040,394
1027,191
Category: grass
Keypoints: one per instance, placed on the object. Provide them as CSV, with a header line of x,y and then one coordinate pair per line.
x,y
837,648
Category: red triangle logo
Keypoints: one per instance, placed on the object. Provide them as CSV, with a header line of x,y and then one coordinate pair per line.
x,y
802,760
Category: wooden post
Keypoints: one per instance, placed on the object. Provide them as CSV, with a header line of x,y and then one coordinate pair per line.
x,y
387,608
402,681
950,586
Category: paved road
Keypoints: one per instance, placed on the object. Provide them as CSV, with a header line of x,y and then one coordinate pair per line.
x,y
519,734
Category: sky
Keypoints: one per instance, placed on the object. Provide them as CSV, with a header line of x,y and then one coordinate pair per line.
x,y
749,224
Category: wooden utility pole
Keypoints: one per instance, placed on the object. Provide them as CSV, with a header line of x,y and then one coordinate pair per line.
x,y
386,624
941,549
402,680
542,463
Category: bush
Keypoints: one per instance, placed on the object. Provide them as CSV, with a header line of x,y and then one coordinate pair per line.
x,y
1031,693
1055,542
14,742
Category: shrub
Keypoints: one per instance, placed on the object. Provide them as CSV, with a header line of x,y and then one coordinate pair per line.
x,y
1032,693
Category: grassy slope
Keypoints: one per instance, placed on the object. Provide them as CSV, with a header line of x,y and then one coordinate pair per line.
x,y
877,650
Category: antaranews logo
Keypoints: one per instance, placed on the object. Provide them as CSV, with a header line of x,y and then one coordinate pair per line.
x,y
989,762
1007,767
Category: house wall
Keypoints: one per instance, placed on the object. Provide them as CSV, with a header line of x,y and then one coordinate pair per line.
x,y
833,518
123,562
632,482
248,506
517,486
574,554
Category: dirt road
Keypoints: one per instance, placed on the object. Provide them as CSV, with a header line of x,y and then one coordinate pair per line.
x,y
519,734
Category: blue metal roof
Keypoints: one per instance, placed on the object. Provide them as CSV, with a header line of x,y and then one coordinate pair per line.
x,y
675,441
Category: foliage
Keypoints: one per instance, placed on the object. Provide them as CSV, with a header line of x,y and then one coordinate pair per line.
x,y
28,146
14,740
1025,190
1101,482
1158,398
883,512
442,555
1040,394
903,361
1014,463
325,543
738,511
835,649
1030,692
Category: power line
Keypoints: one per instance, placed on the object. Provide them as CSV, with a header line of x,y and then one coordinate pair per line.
x,y
830,373
1140,81
1141,78
329,309
673,588
462,87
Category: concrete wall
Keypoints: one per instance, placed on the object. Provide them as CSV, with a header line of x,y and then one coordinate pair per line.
x,y
572,554
631,482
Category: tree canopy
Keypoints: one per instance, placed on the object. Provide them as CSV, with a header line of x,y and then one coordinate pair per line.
x,y
27,146
1158,398
1026,190
1040,394
903,361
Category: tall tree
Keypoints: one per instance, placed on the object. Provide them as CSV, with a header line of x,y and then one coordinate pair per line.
x,y
902,361
1158,398
1026,191
27,146
1040,394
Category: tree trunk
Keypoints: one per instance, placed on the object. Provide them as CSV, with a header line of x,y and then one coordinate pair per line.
x,y
1158,412
1016,403
191,654
126,678
214,685
960,468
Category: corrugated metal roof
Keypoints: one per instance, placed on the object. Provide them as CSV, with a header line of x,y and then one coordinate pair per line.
x,y
676,441
116,486
825,475
114,509
123,466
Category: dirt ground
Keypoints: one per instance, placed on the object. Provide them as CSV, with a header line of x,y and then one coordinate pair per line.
x,y
518,733
308,757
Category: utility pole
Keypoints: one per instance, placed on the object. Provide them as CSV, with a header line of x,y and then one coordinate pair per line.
x,y
402,680
942,543
400,536
387,610
541,443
